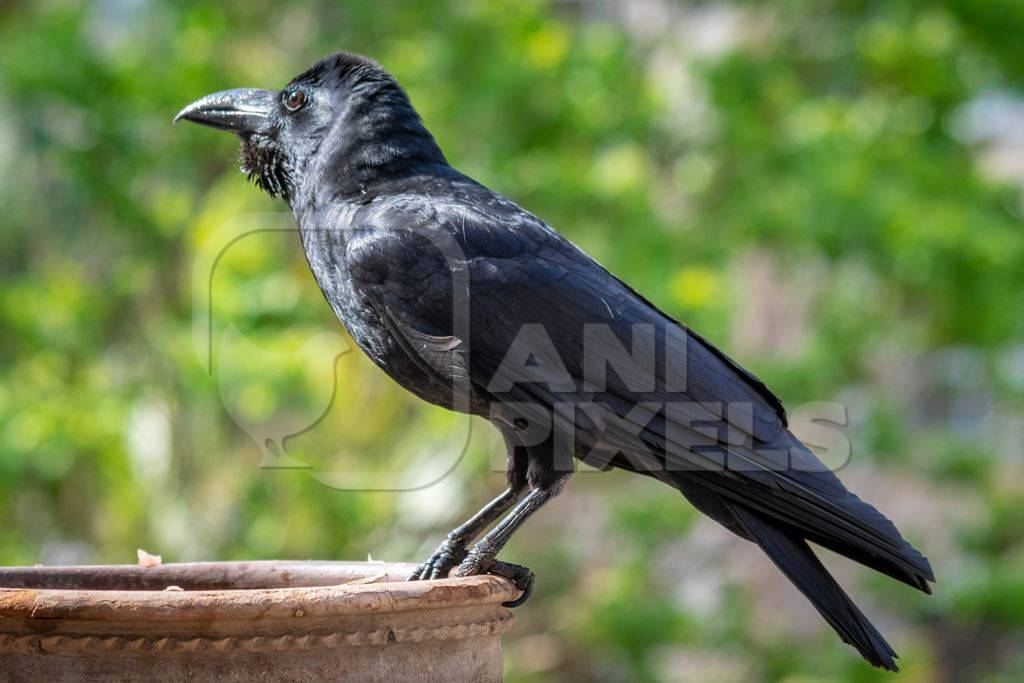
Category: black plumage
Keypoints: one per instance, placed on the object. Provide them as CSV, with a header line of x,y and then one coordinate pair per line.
x,y
471,302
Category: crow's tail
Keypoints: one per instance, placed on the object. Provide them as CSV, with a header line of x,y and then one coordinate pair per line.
x,y
792,555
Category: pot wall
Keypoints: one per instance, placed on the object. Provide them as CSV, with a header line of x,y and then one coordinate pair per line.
x,y
241,621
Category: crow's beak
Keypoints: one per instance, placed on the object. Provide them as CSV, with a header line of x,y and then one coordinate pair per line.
x,y
241,111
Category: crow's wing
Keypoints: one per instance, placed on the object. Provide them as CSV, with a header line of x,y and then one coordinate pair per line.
x,y
521,275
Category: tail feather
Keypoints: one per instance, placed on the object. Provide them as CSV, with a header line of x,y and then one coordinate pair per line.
x,y
848,525
793,556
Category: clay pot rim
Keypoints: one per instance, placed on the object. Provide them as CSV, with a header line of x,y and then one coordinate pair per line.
x,y
387,593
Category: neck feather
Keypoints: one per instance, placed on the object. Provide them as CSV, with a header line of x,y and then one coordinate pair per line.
x,y
381,139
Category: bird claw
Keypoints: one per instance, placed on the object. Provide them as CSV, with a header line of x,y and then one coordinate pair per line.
x,y
521,576
477,563
447,555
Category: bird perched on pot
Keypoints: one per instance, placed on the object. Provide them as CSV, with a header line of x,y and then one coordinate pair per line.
x,y
473,303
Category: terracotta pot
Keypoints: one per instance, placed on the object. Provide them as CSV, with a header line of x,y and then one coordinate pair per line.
x,y
249,620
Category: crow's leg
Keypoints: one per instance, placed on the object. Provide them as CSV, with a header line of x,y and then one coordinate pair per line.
x,y
454,547
482,559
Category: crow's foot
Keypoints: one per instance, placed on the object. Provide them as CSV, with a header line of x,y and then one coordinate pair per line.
x,y
437,566
478,562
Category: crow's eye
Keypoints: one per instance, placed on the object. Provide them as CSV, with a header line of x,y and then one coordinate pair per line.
x,y
293,99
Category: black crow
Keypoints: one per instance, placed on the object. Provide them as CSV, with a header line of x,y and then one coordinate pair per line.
x,y
471,302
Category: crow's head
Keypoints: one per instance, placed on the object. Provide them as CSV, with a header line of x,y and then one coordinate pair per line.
x,y
336,130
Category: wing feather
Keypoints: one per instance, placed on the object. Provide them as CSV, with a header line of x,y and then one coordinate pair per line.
x,y
521,274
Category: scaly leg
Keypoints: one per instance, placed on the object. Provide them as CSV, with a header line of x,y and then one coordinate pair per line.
x,y
454,547
482,559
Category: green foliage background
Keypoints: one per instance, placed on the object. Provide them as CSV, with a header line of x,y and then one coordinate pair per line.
x,y
813,185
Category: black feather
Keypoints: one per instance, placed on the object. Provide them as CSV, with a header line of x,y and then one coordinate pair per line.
x,y
800,565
